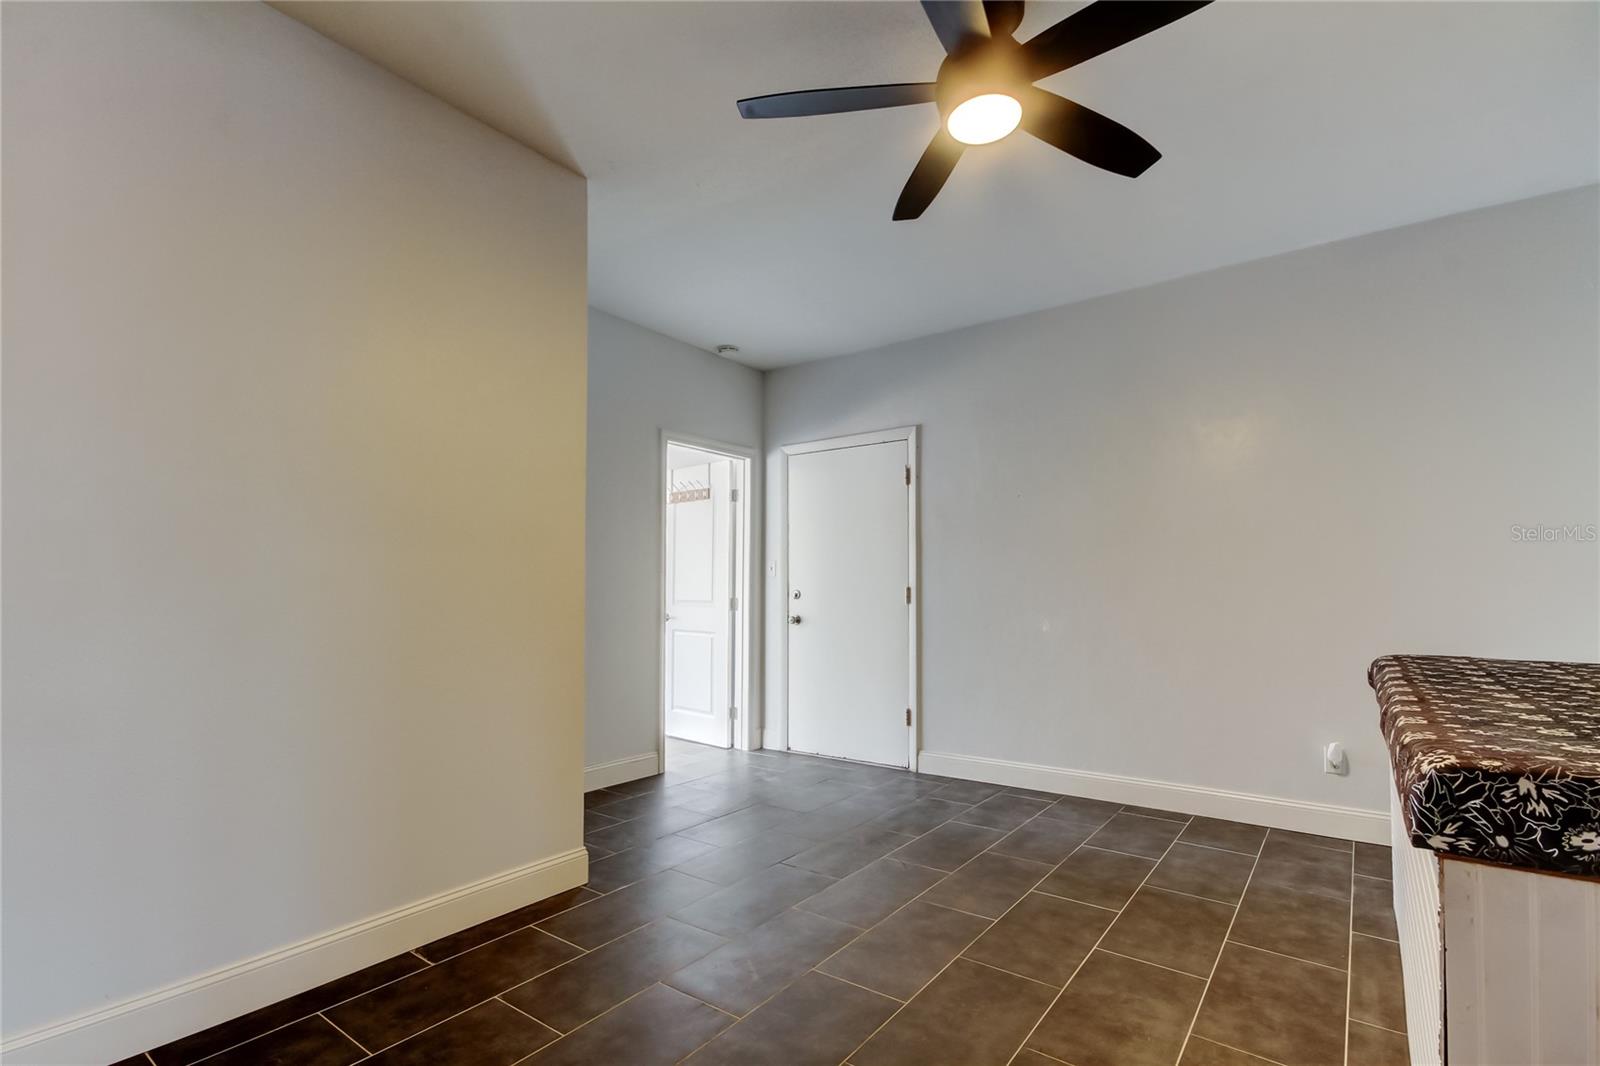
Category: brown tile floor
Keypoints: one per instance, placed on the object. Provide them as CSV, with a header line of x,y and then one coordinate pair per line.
x,y
750,908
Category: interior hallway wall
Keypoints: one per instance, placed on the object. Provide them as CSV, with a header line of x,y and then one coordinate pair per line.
x,y
1165,532
641,383
293,542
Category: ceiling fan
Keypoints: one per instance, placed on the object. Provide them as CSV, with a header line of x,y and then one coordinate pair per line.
x,y
984,88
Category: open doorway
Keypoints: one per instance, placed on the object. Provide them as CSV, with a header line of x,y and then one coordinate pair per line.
x,y
705,585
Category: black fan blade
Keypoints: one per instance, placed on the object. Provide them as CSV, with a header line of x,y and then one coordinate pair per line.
x,y
1098,28
1086,134
836,101
1004,16
956,20
929,176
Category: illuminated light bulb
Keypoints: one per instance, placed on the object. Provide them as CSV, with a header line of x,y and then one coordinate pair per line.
x,y
984,119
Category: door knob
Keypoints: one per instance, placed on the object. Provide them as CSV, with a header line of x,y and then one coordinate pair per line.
x,y
794,619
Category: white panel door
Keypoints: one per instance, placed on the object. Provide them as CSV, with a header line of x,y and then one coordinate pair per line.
x,y
699,598
849,567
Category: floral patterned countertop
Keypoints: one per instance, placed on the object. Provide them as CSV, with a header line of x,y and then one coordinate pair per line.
x,y
1496,759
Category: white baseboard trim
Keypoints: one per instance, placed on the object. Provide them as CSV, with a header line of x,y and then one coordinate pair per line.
x,y
1325,819
618,771
122,1029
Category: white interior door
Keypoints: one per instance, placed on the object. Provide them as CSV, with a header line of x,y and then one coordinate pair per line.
x,y
849,568
699,583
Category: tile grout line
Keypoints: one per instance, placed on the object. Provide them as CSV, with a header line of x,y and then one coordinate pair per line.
x,y
213,1054
737,1018
1157,818
1342,845
474,1006
459,1013
846,980
943,876
626,1000
1084,903
1191,895
1158,965
1096,945
861,932
1282,955
563,940
344,1034
1381,1028
864,931
1214,847
582,951
518,929
501,997
419,1032
1144,812
1129,854
309,1014
937,974
575,1028
992,921
958,910
1042,1055
1002,969
1241,1051
958,954
1243,892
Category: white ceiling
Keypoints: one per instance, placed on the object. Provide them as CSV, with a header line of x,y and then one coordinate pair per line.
x,y
1283,125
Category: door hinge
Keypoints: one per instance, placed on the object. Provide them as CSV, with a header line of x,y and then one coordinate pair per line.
x,y
908,475
733,495
733,713
908,593
733,603
908,716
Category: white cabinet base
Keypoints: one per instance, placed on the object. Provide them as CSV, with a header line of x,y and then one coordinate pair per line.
x,y
1502,966
1416,912
1522,966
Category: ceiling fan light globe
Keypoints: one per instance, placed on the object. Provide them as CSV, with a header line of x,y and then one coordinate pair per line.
x,y
984,119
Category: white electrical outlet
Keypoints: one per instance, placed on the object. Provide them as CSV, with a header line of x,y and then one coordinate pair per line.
x,y
1333,761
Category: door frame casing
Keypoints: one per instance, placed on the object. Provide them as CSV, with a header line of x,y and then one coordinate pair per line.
x,y
913,616
746,669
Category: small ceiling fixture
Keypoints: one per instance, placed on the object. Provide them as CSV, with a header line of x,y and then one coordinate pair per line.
x,y
985,87
984,119
726,349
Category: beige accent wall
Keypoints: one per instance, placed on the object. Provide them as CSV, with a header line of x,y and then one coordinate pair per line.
x,y
294,418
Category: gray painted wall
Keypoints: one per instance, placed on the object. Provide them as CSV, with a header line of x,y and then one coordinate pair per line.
x,y
640,383
1164,532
